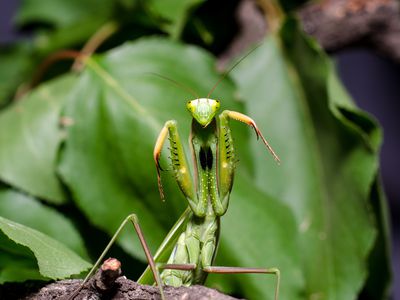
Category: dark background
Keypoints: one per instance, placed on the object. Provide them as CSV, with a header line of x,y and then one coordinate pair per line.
x,y
374,83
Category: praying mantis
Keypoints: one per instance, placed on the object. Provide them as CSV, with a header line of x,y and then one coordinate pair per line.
x,y
186,255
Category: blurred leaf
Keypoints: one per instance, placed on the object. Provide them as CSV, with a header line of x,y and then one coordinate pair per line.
x,y
30,212
329,159
15,62
54,259
76,34
69,23
379,272
61,13
118,109
29,137
175,12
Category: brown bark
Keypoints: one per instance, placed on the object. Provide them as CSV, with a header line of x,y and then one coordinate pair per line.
x,y
124,289
105,284
339,24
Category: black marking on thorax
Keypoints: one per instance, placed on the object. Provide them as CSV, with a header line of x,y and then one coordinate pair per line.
x,y
206,158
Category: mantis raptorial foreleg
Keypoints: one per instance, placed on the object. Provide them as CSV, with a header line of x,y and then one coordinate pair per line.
x,y
249,121
179,165
135,221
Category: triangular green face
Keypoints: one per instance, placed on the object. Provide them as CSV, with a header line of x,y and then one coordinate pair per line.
x,y
203,110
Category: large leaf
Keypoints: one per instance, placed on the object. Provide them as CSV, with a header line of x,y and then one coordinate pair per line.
x,y
29,137
329,159
53,258
118,109
28,211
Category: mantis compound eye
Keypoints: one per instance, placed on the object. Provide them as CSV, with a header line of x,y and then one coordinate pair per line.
x,y
191,106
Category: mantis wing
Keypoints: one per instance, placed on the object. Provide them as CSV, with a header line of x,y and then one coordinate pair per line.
x,y
166,247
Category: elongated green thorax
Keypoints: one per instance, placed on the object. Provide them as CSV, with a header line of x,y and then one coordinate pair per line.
x,y
204,145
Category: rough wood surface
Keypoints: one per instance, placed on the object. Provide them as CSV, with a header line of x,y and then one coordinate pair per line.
x,y
105,284
124,289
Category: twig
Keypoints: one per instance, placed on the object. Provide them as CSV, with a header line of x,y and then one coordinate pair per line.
x,y
104,280
94,42
38,75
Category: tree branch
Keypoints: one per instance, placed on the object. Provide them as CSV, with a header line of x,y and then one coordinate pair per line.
x,y
124,289
339,24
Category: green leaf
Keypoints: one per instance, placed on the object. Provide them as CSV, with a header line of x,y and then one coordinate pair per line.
x,y
15,64
19,273
329,153
28,211
61,13
47,42
53,258
118,108
175,12
16,267
107,159
29,137
380,269
69,23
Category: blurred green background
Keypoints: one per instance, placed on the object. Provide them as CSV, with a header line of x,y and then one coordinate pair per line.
x,y
76,146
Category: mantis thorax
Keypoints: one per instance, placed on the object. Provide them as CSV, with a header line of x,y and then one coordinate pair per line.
x,y
203,110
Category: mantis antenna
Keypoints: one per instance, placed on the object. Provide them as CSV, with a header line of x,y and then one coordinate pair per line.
x,y
229,70
191,91
180,85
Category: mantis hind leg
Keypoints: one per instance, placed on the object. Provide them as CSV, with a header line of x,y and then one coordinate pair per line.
x,y
135,221
228,270
239,270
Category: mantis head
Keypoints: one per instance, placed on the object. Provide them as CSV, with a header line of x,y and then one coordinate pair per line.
x,y
203,110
